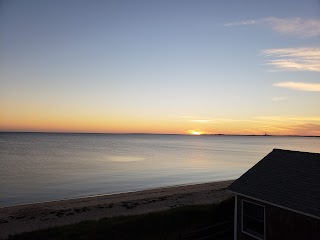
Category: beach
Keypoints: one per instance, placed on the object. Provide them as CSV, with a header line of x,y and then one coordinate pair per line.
x,y
30,217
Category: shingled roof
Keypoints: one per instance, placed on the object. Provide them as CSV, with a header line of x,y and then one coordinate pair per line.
x,y
289,179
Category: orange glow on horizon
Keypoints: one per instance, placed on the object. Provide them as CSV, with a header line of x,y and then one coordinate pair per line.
x,y
33,121
195,132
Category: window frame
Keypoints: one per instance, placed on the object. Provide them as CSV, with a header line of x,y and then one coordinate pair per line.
x,y
264,220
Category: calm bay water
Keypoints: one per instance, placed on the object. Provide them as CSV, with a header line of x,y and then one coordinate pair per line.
x,y
46,166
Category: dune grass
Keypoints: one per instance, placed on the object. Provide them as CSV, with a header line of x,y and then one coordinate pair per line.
x,y
189,222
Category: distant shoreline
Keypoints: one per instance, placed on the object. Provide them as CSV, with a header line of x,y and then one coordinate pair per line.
x,y
164,134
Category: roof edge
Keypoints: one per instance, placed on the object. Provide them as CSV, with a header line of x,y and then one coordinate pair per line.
x,y
292,151
276,205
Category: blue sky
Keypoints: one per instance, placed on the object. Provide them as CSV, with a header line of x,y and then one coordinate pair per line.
x,y
160,66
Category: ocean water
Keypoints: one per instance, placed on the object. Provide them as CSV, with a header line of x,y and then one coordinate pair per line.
x,y
37,167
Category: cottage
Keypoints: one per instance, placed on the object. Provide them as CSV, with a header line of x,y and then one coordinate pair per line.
x,y
279,198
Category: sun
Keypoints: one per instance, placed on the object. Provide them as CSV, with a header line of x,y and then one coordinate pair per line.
x,y
195,132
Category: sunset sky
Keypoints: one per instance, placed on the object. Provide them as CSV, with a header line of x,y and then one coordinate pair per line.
x,y
232,67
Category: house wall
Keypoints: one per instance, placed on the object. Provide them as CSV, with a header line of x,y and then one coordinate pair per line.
x,y
281,224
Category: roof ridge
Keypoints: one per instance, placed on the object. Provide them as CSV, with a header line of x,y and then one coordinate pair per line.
x,y
287,150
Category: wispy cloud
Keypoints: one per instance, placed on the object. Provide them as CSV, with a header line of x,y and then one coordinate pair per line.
x,y
279,99
197,119
300,86
279,124
288,118
294,59
219,120
310,129
292,125
214,120
241,23
294,26
303,129
268,121
201,120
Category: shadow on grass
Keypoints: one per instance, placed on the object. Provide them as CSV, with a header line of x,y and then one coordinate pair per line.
x,y
213,221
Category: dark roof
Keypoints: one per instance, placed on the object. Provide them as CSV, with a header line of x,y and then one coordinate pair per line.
x,y
290,179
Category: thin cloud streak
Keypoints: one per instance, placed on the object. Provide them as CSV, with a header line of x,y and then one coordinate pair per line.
x,y
294,59
310,87
241,23
291,125
296,26
288,118
302,129
215,120
261,119
274,125
305,28
201,121
279,99
226,120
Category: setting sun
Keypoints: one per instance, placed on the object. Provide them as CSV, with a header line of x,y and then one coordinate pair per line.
x,y
195,132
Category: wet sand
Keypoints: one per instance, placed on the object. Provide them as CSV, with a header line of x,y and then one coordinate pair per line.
x,y
30,217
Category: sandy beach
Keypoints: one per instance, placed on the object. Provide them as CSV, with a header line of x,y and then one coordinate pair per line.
x,y
30,217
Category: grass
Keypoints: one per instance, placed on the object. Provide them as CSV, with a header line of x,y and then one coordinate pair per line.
x,y
214,221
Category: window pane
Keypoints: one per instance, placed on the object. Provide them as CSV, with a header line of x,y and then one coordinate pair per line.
x,y
251,225
253,219
253,210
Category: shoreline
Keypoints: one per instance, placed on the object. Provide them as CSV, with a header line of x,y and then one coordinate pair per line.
x,y
30,217
110,194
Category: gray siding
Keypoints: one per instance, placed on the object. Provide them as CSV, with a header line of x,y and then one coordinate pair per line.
x,y
281,224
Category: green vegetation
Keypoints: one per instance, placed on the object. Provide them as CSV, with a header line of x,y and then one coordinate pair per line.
x,y
214,221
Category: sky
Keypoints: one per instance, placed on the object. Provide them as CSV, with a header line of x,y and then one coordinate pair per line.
x,y
175,67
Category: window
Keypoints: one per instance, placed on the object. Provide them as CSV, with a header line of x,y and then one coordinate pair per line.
x,y
253,219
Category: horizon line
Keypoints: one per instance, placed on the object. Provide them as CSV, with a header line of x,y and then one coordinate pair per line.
x,y
182,134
